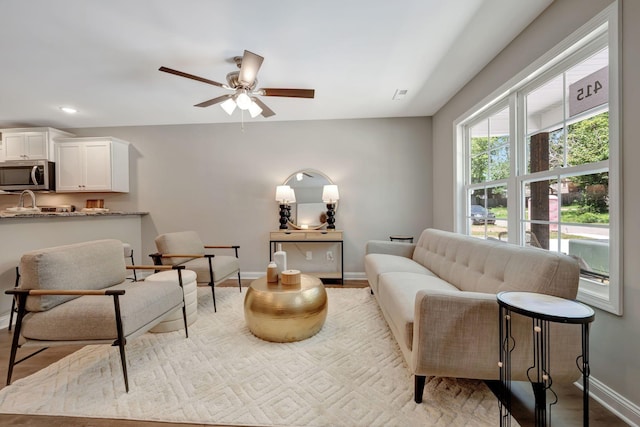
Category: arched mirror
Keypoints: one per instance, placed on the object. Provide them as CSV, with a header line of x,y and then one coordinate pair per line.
x,y
309,211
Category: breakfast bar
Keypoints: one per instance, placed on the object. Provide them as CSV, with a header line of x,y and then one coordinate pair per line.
x,y
20,233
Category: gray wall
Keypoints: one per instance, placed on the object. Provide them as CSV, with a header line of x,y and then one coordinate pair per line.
x,y
615,341
220,180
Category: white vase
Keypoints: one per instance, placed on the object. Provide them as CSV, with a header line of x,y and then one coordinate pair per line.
x,y
280,258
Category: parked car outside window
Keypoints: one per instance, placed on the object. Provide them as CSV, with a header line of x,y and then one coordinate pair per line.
x,y
480,215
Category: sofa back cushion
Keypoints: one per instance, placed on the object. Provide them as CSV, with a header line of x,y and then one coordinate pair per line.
x,y
90,265
179,242
491,266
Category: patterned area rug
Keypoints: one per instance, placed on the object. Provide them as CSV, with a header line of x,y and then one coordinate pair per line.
x,y
350,374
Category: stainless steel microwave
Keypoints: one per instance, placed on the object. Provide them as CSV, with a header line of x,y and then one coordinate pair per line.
x,y
28,175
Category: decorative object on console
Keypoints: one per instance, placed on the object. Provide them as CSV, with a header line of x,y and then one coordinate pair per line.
x,y
285,195
280,258
330,196
272,272
291,277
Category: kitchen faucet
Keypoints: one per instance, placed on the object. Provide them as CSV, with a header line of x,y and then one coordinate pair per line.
x,y
21,200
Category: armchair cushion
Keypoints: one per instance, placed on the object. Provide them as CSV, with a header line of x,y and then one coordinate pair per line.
x,y
223,267
144,303
188,242
65,267
183,242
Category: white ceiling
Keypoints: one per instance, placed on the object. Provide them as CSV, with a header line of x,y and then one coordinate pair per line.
x,y
102,57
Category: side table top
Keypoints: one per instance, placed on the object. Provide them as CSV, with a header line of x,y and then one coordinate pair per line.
x,y
306,282
546,307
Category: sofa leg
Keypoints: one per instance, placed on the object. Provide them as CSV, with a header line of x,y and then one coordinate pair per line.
x,y
419,383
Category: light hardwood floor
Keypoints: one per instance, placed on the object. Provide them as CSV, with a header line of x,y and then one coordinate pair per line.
x,y
568,411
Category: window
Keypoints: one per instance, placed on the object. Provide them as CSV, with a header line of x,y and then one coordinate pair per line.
x,y
540,162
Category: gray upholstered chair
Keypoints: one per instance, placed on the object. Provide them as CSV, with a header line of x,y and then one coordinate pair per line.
x,y
78,294
185,248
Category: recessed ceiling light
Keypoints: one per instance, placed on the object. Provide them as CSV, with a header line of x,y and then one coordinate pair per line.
x,y
69,110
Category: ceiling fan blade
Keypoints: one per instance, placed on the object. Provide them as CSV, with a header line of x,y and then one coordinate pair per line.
x,y
291,93
266,111
214,101
249,68
191,76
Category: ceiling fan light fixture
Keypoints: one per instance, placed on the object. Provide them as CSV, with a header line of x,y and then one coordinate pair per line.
x,y
243,100
229,106
254,110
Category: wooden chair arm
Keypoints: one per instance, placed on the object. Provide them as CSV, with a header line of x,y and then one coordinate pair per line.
x,y
222,247
180,255
155,267
38,292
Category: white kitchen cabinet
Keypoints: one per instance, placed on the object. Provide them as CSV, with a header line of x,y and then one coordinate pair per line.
x,y
30,143
93,164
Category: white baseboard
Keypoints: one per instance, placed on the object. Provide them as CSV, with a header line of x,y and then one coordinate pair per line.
x,y
355,276
617,404
4,321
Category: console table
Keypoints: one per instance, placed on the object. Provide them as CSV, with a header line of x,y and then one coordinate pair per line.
x,y
542,309
315,237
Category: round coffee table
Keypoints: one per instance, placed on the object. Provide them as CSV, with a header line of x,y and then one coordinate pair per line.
x,y
285,313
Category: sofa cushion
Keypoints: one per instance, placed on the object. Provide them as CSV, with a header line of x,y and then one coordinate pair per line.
x,y
397,293
480,265
377,264
97,264
93,317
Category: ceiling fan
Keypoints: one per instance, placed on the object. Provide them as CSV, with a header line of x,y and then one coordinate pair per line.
x,y
242,85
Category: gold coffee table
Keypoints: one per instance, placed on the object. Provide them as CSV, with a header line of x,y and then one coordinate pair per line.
x,y
285,313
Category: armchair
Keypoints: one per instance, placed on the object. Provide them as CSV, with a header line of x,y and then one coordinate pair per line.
x,y
186,249
62,300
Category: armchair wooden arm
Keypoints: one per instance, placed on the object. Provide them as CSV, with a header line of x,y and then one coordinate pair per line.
x,y
180,255
39,292
155,267
234,247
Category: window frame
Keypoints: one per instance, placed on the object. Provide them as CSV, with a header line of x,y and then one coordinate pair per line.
x,y
601,31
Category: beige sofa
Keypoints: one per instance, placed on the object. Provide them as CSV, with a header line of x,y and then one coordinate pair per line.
x,y
438,297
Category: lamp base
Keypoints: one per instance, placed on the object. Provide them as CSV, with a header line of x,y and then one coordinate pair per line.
x,y
331,213
284,217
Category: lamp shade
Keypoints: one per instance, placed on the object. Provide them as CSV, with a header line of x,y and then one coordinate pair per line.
x,y
283,193
330,193
254,110
228,106
292,196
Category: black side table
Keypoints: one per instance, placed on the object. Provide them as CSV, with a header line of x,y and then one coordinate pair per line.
x,y
542,309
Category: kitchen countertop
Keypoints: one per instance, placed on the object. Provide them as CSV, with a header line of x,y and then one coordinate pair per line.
x,y
38,215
